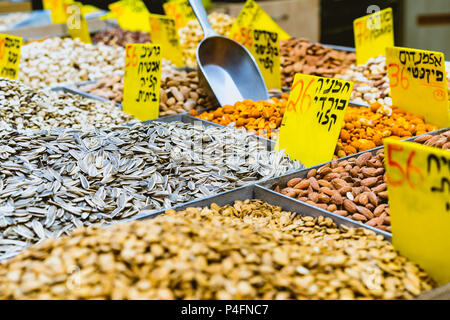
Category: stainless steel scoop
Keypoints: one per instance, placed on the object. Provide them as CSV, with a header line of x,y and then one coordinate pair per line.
x,y
229,70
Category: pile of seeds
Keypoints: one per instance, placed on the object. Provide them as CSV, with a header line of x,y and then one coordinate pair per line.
x,y
365,128
180,91
354,188
26,108
260,117
302,56
120,37
52,181
60,61
192,34
250,250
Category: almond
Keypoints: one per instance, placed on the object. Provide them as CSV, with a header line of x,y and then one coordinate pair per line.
x,y
379,210
304,184
363,198
359,217
337,199
314,197
325,183
314,184
293,182
341,213
369,172
323,198
369,182
311,173
365,212
350,206
380,188
362,159
339,183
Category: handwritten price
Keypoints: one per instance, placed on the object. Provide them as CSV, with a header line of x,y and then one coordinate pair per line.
x,y
299,102
405,172
244,36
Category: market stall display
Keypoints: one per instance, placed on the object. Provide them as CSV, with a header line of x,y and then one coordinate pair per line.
x,y
120,37
27,108
363,129
53,181
180,91
354,188
198,204
228,252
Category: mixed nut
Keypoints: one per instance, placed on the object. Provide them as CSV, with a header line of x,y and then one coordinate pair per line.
x,y
250,250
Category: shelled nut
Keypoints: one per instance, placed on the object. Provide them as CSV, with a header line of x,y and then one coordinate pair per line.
x,y
251,250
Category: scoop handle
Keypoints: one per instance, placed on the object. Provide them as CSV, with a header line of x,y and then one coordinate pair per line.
x,y
202,17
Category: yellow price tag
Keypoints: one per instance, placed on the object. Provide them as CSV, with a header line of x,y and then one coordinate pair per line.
x,y
180,10
419,84
254,17
77,25
131,15
164,32
313,119
10,47
265,48
58,9
373,34
142,80
418,180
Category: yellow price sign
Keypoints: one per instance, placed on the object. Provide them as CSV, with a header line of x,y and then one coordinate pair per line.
x,y
77,25
58,9
313,119
164,32
418,180
254,17
180,10
373,34
419,84
142,80
10,47
265,48
131,15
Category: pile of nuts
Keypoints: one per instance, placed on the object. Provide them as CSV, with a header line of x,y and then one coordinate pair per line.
x,y
56,61
365,128
191,35
27,108
354,188
302,56
251,250
260,117
371,82
120,37
180,91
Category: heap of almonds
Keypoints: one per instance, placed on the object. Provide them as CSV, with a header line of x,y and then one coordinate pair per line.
x,y
302,56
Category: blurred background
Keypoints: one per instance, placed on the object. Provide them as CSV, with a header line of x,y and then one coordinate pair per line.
x,y
422,24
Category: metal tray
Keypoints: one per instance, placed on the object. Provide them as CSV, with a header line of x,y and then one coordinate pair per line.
x,y
288,204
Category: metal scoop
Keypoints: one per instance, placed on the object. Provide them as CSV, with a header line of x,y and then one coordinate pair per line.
x,y
229,71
